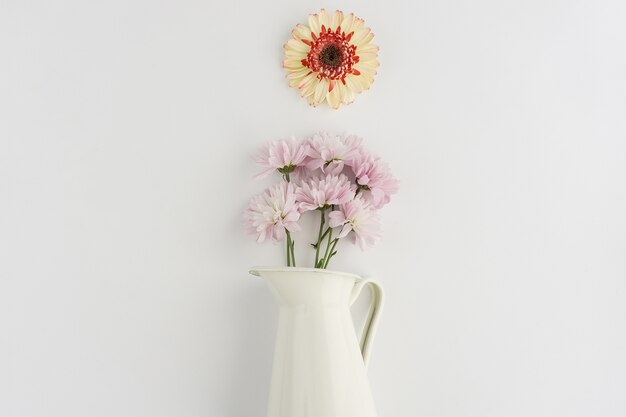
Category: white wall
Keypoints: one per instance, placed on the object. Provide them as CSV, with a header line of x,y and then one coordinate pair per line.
x,y
127,130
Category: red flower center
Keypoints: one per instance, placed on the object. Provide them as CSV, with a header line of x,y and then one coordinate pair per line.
x,y
331,54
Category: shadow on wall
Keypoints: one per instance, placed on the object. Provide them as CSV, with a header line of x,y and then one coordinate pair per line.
x,y
245,391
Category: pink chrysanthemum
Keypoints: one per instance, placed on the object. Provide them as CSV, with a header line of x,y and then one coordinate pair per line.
x,y
284,156
358,219
331,152
272,212
321,192
374,180
331,58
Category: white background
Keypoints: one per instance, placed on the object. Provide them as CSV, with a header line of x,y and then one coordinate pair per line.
x,y
127,131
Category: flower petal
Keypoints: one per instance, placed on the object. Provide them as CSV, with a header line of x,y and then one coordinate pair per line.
x,y
336,20
361,36
367,56
334,96
314,24
347,95
297,45
353,83
301,32
293,64
345,230
293,227
297,74
368,47
324,19
367,72
279,233
336,218
320,91
308,85
291,53
346,25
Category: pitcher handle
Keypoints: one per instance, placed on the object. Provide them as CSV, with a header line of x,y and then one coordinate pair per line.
x,y
373,316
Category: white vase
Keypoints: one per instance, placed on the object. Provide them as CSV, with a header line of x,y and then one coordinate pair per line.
x,y
319,364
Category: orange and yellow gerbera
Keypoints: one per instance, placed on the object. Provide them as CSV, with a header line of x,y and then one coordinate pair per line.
x,y
331,59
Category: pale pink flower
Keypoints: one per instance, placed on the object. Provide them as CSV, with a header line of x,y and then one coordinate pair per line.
x,y
284,156
359,219
374,180
272,212
331,152
321,192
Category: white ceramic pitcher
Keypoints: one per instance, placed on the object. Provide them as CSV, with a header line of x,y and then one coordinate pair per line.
x,y
319,365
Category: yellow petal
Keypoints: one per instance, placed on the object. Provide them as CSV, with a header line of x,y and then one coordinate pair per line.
x,y
366,40
364,82
365,70
297,45
346,95
293,64
301,72
320,91
368,47
293,54
367,56
353,84
336,20
308,92
346,25
296,77
324,19
301,32
357,24
373,62
308,84
314,24
367,66
360,35
307,79
334,97
297,82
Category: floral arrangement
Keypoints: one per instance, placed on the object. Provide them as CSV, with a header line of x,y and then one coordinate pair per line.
x,y
333,175
331,59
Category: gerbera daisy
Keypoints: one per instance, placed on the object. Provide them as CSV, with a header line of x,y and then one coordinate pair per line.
x,y
331,58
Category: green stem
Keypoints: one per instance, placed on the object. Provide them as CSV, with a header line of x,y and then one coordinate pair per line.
x,y
325,233
319,236
288,241
330,238
332,253
291,260
293,255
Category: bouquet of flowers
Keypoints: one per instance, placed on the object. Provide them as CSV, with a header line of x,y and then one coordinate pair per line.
x,y
333,175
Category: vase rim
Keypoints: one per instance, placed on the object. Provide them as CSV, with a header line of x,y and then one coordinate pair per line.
x,y
255,271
